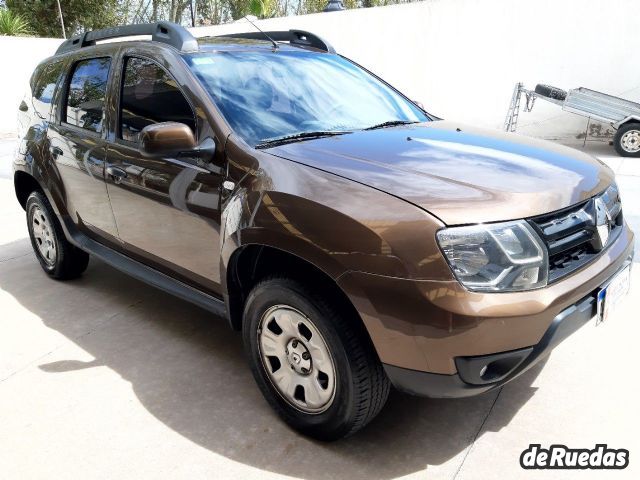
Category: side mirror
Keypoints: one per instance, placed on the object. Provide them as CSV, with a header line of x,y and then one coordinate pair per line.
x,y
166,139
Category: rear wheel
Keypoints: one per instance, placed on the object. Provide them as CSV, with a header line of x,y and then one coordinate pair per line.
x,y
627,140
58,258
312,360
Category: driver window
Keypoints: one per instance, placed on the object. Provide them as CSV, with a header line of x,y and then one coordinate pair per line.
x,y
150,95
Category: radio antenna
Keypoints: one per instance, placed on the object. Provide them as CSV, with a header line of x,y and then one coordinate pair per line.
x,y
275,45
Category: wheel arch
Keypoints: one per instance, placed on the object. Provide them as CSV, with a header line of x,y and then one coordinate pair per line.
x,y
25,183
628,120
253,262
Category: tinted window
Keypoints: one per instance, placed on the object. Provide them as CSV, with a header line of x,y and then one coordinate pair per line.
x,y
150,95
85,100
44,87
265,95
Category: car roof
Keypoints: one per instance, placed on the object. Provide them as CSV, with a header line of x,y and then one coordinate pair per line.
x,y
205,45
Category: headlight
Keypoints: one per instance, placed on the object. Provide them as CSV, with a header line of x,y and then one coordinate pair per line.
x,y
496,257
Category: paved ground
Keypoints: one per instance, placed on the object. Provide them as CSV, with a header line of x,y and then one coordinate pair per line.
x,y
105,377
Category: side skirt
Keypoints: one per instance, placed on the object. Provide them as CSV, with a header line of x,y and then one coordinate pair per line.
x,y
145,273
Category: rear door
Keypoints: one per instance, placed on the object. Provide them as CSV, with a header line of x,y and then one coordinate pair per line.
x,y
77,144
167,209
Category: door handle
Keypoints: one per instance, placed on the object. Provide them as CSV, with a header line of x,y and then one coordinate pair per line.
x,y
56,151
116,174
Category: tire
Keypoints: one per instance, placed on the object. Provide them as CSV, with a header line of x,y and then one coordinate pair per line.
x,y
59,258
359,388
627,140
551,92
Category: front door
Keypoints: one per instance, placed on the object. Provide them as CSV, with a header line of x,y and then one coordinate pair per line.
x,y
166,209
78,147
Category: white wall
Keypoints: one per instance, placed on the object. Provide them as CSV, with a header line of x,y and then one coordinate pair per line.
x,y
460,58
18,58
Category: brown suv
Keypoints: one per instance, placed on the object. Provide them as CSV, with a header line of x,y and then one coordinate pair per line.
x,y
356,241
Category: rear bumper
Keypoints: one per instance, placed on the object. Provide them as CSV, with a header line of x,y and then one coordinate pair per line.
x,y
482,373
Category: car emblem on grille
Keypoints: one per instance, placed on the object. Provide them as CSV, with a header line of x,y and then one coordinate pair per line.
x,y
604,222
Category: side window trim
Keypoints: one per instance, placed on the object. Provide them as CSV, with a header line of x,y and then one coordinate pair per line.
x,y
60,93
118,116
63,89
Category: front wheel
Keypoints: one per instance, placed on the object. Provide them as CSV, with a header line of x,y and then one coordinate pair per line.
x,y
312,360
627,140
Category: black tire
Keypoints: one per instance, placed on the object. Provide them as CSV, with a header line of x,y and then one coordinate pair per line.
x,y
68,261
628,147
551,92
361,385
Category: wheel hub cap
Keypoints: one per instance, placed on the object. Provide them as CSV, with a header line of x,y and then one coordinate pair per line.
x,y
43,236
298,356
296,359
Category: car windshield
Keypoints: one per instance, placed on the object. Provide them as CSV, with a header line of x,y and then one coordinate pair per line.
x,y
267,95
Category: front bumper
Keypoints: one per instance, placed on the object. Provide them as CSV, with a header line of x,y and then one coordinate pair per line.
x,y
499,368
433,335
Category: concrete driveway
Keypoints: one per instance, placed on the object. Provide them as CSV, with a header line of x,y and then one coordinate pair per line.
x,y
105,377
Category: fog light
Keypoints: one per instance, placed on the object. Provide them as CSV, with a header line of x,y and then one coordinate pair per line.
x,y
484,369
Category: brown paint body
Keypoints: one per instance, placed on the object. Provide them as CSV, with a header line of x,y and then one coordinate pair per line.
x,y
364,208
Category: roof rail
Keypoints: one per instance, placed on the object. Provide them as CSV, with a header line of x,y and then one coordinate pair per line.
x,y
295,37
164,32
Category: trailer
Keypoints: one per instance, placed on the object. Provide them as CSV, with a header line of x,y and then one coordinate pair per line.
x,y
623,115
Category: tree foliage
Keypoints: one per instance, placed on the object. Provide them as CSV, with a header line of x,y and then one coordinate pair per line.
x,y
82,15
79,15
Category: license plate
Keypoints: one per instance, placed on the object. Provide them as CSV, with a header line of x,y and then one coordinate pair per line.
x,y
609,297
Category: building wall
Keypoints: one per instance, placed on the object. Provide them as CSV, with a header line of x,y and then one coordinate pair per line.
x,y
18,57
459,58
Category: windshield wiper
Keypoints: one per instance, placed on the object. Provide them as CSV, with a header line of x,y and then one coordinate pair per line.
x,y
297,137
390,123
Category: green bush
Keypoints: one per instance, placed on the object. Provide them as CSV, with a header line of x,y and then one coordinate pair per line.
x,y
13,24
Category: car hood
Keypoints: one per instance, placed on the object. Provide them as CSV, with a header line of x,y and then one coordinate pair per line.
x,y
460,174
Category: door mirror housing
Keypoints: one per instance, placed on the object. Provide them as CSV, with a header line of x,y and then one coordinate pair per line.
x,y
166,139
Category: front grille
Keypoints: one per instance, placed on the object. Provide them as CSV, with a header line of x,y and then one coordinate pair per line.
x,y
572,236
570,259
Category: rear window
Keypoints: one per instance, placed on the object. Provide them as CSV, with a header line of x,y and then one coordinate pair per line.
x,y
85,97
45,86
